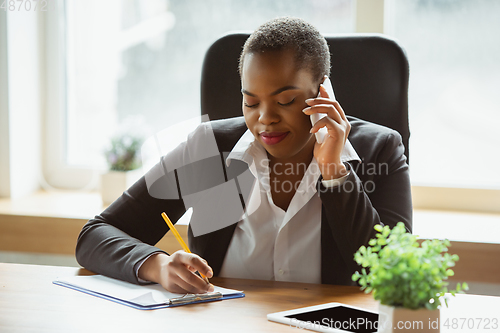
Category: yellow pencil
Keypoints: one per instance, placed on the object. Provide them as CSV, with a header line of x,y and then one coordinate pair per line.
x,y
180,240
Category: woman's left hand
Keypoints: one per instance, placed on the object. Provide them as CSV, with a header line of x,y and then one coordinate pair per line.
x,y
328,153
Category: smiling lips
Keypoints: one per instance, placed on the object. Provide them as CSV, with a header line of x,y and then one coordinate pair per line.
x,y
272,138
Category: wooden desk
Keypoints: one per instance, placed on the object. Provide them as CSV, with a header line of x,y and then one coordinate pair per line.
x,y
29,302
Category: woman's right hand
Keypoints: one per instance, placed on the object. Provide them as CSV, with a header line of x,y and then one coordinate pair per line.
x,y
176,273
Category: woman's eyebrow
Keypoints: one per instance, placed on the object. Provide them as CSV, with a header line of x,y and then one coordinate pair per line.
x,y
276,92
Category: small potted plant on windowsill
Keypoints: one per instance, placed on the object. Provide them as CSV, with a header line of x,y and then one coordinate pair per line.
x,y
124,166
408,279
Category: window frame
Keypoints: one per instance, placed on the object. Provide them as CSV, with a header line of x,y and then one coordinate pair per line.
x,y
56,173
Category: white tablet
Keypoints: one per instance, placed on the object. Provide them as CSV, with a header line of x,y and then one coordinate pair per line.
x,y
329,317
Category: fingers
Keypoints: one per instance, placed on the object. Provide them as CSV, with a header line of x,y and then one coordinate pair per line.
x,y
333,110
323,98
329,109
178,273
332,127
336,126
323,92
181,286
316,104
195,262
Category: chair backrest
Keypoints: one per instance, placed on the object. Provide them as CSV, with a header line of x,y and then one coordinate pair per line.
x,y
369,75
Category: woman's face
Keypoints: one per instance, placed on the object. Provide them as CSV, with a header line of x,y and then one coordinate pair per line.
x,y
274,94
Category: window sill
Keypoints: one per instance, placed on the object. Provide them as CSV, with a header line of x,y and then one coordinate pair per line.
x,y
50,223
58,204
472,227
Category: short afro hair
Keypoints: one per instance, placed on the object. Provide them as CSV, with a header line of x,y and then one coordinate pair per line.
x,y
289,33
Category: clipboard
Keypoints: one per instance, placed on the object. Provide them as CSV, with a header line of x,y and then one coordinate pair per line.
x,y
141,297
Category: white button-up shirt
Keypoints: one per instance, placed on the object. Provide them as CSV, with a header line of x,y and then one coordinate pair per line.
x,y
270,243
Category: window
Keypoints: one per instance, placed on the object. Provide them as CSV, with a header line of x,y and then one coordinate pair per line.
x,y
144,58
452,47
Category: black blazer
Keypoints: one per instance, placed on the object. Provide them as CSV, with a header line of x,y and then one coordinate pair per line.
x,y
379,191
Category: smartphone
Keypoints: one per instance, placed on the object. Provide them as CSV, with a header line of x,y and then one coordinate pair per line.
x,y
321,134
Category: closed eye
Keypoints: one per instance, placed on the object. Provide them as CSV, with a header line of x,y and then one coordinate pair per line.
x,y
251,106
289,103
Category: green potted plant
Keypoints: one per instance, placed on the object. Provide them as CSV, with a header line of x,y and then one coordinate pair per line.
x,y
409,279
124,164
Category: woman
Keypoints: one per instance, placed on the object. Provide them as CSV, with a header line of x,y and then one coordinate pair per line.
x,y
310,206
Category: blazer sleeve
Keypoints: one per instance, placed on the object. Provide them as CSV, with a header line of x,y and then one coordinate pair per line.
x,y
377,192
113,242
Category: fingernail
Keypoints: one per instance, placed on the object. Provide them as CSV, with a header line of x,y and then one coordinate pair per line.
x,y
306,109
309,100
209,274
211,288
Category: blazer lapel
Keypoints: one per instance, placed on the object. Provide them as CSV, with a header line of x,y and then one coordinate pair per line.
x,y
213,246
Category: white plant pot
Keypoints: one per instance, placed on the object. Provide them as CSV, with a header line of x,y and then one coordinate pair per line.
x,y
396,319
114,183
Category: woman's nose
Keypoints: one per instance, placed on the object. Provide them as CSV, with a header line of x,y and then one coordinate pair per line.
x,y
268,115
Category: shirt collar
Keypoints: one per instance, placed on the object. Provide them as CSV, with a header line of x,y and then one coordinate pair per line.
x,y
247,147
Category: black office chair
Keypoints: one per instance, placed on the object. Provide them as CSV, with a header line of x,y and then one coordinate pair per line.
x,y
369,75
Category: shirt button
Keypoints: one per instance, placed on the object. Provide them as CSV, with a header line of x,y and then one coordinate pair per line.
x,y
281,272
